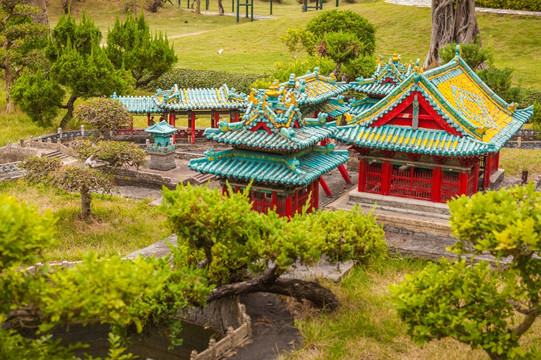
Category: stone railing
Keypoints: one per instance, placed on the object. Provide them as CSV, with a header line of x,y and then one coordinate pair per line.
x,y
233,338
10,171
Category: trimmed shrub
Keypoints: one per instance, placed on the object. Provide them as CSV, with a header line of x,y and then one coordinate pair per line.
x,y
346,21
531,5
38,169
187,78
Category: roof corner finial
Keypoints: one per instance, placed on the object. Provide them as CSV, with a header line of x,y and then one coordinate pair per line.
x,y
395,57
291,81
458,51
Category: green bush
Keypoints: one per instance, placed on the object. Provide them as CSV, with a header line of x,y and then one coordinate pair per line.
x,y
346,21
500,81
187,78
532,5
472,54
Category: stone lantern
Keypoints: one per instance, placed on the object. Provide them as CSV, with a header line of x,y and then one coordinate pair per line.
x,y
162,152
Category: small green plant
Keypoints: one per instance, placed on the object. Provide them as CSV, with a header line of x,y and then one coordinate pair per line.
x,y
115,153
472,303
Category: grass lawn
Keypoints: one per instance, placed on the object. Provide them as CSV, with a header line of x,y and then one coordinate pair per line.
x,y
367,327
516,160
121,225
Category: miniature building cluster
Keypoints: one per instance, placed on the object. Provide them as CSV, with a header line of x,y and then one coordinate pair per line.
x,y
424,135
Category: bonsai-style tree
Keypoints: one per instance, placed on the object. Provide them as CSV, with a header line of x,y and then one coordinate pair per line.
x,y
340,47
77,178
79,63
131,46
104,114
38,169
478,306
243,251
115,153
22,41
128,295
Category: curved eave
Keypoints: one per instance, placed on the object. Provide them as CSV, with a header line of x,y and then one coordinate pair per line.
x,y
235,165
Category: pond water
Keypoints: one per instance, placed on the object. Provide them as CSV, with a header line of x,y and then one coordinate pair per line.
x,y
153,346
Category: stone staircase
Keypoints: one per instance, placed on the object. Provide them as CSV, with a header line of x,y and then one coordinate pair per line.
x,y
201,178
65,158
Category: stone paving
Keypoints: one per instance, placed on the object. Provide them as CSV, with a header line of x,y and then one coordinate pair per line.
x,y
428,3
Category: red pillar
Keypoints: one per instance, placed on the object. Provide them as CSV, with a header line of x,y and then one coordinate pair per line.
x,y
148,119
215,119
476,176
486,180
236,116
497,160
436,184
296,203
193,126
386,169
462,183
315,194
274,200
344,173
325,186
288,206
224,190
363,167
172,118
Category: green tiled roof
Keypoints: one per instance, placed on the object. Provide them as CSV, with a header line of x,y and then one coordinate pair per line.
x,y
406,139
372,88
272,123
138,104
336,107
462,100
161,128
301,169
314,88
360,106
303,138
200,99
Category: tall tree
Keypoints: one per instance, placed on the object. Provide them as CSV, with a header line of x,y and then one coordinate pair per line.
x,y
80,64
21,40
452,21
130,45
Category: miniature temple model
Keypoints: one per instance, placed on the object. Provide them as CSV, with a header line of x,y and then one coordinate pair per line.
x,y
276,148
434,135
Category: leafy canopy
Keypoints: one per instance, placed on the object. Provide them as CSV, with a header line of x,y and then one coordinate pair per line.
x,y
235,242
104,114
130,45
472,303
129,295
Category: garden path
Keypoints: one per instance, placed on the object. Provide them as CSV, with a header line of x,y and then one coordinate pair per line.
x,y
428,3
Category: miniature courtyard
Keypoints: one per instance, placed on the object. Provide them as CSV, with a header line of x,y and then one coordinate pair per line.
x,y
227,187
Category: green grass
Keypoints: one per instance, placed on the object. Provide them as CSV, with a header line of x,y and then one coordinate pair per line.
x,y
121,225
514,161
367,327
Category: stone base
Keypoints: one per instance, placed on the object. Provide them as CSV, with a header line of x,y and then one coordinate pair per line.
x,y
162,161
496,178
395,202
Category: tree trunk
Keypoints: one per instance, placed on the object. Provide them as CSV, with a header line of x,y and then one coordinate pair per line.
x,y
220,8
198,6
69,114
452,21
42,17
336,68
320,296
9,77
86,199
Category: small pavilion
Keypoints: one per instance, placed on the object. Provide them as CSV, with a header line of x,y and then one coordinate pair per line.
x,y
162,152
277,150
435,135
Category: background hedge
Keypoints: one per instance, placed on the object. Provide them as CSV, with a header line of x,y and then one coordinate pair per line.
x,y
187,78
531,5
